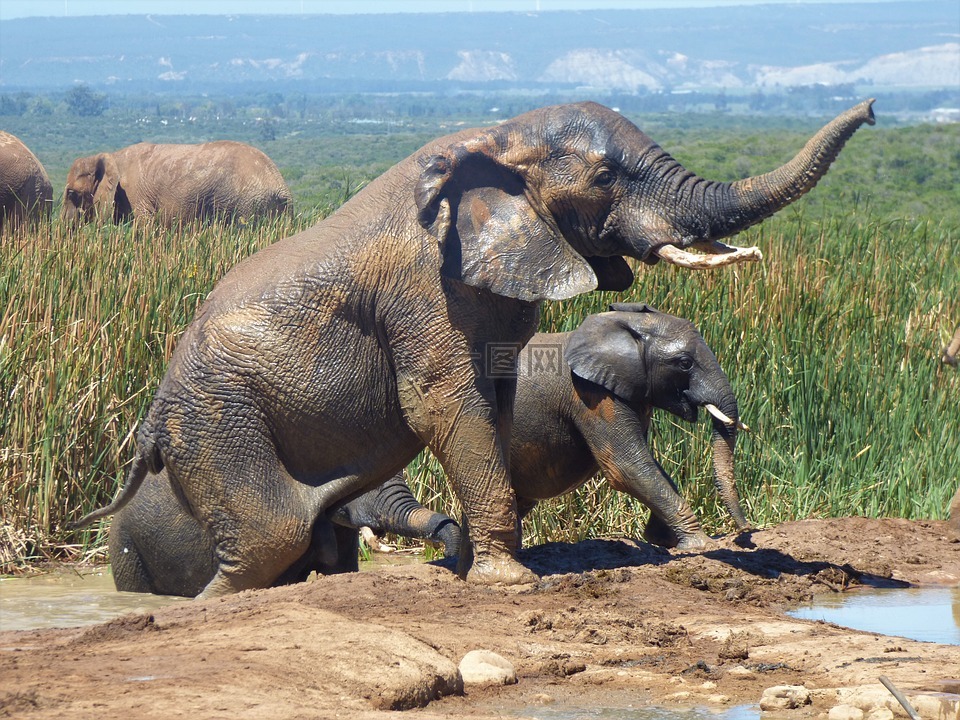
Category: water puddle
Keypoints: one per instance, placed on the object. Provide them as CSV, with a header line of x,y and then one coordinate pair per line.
x,y
930,614
67,598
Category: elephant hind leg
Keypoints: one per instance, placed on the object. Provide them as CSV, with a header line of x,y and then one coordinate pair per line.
x,y
259,523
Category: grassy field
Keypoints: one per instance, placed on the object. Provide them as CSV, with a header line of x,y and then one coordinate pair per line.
x,y
832,343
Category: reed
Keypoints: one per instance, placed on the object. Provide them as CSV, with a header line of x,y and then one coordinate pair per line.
x,y
831,344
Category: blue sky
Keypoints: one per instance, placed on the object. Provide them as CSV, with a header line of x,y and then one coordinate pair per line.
x,y
10,9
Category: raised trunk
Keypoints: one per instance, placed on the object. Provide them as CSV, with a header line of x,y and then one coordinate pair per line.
x,y
708,211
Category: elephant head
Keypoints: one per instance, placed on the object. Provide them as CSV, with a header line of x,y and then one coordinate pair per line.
x,y
594,188
94,190
654,359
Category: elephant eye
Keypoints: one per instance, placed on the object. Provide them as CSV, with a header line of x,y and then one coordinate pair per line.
x,y
685,363
604,178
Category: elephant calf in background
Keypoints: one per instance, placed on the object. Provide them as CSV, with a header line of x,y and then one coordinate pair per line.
x,y
25,190
175,183
584,403
156,547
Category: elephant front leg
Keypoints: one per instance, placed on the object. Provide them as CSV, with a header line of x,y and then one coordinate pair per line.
x,y
470,437
624,456
474,461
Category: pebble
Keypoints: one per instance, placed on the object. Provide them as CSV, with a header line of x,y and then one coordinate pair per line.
x,y
483,667
784,697
845,712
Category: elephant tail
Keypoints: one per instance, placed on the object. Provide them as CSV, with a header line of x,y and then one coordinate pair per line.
x,y
146,460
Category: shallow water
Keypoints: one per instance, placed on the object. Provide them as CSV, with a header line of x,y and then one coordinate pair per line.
x,y
70,598
67,598
928,614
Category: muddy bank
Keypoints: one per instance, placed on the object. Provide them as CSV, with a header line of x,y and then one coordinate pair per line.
x,y
613,623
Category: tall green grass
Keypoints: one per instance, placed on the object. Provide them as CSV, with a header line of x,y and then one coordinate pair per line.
x,y
88,321
831,343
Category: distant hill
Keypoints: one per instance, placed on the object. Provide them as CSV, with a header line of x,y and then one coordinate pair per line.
x,y
884,44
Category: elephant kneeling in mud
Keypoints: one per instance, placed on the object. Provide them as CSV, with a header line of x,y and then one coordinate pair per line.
x,y
157,547
324,363
584,403
223,180
25,190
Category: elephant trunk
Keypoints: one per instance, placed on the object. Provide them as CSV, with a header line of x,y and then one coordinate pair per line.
x,y
392,508
724,445
708,211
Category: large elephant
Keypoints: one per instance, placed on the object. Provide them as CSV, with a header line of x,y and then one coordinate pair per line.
x,y
321,365
156,547
25,190
175,183
585,401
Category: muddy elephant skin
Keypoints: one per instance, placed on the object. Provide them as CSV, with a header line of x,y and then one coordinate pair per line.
x,y
320,366
26,194
221,180
585,401
157,547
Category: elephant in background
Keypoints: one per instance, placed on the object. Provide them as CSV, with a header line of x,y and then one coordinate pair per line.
x,y
25,190
584,403
320,366
952,349
223,180
156,547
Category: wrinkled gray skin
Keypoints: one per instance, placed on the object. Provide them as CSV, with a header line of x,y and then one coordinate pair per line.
x,y
25,190
222,180
156,547
321,365
584,404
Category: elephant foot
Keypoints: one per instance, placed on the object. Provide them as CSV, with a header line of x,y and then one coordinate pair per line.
x,y
499,570
695,543
657,532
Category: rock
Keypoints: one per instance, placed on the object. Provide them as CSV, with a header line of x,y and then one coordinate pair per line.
x,y
868,698
936,705
883,713
482,667
845,712
784,697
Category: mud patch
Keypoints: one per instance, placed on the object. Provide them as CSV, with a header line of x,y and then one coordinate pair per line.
x,y
610,619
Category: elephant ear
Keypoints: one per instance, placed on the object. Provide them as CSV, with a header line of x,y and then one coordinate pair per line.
x,y
606,350
107,185
490,234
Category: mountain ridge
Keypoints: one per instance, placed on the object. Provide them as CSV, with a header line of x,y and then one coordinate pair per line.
x,y
902,44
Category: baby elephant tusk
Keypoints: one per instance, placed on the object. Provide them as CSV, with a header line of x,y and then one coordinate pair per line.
x,y
729,422
721,255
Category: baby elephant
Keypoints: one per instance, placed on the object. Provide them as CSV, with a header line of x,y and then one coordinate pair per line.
x,y
156,547
223,180
584,403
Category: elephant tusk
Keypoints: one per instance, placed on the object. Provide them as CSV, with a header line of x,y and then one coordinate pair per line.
x,y
720,255
719,415
372,541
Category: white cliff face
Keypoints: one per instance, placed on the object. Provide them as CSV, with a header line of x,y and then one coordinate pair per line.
x,y
610,70
483,66
935,66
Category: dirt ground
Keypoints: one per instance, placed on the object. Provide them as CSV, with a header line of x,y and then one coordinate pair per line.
x,y
613,623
